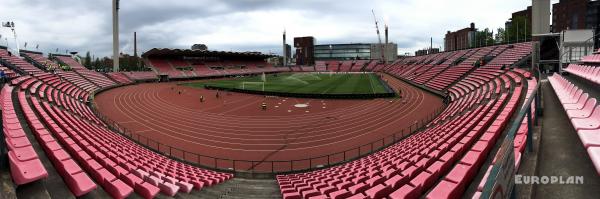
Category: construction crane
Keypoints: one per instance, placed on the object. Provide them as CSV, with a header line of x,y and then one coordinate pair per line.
x,y
379,37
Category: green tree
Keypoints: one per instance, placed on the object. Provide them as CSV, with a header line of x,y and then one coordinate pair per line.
x,y
483,38
96,63
500,35
518,30
87,61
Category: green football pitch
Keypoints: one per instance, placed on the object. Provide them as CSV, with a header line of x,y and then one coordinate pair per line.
x,y
304,83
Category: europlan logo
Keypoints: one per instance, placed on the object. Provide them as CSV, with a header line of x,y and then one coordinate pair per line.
x,y
521,179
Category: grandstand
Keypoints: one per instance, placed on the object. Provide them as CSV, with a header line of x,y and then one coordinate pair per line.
x,y
441,158
189,64
198,123
450,154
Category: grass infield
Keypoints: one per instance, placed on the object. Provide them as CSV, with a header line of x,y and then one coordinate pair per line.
x,y
304,83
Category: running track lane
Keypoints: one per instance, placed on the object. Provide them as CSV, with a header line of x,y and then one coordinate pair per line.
x,y
234,128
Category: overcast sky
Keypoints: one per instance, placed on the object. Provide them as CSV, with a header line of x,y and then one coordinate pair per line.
x,y
242,25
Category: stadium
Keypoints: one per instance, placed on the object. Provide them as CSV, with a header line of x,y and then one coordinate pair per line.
x,y
508,115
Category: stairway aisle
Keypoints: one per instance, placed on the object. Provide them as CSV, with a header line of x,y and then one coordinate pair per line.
x,y
239,188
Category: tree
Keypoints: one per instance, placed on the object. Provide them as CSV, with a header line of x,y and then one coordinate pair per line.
x,y
87,61
518,30
483,38
500,35
96,63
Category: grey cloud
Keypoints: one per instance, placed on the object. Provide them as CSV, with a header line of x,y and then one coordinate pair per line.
x,y
180,23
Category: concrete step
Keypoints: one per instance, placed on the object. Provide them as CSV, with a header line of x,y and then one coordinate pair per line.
x,y
240,188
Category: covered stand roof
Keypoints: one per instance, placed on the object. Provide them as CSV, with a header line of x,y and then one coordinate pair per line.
x,y
167,52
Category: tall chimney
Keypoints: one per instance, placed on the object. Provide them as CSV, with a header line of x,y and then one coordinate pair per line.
x,y
135,55
431,44
386,34
284,50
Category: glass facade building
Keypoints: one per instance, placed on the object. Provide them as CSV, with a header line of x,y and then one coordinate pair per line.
x,y
343,51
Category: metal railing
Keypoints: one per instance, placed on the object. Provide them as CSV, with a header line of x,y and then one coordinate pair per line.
x,y
500,181
269,166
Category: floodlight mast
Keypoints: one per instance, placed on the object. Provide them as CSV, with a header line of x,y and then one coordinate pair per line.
x,y
11,25
115,12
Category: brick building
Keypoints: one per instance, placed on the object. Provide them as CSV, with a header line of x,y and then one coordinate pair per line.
x,y
460,39
569,15
523,13
305,50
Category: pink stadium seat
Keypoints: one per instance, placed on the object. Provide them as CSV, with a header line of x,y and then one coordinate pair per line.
x,y
117,189
25,171
407,191
358,188
319,197
339,194
574,98
146,190
589,138
579,104
184,186
586,110
444,190
358,196
379,191
168,189
79,183
591,122
291,195
309,193
594,153
131,179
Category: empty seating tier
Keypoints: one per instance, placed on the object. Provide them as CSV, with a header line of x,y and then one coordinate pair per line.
x,y
83,150
78,80
41,60
120,78
69,61
178,69
590,73
96,78
584,113
19,64
25,165
439,162
141,75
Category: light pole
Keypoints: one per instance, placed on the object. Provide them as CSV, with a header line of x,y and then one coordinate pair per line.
x,y
115,11
11,25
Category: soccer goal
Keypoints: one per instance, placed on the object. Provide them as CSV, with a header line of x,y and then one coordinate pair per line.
x,y
253,85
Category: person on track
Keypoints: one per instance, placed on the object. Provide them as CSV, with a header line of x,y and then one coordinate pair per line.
x,y
263,106
201,98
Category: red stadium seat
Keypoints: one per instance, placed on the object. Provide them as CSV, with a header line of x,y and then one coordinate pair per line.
x,y
591,122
